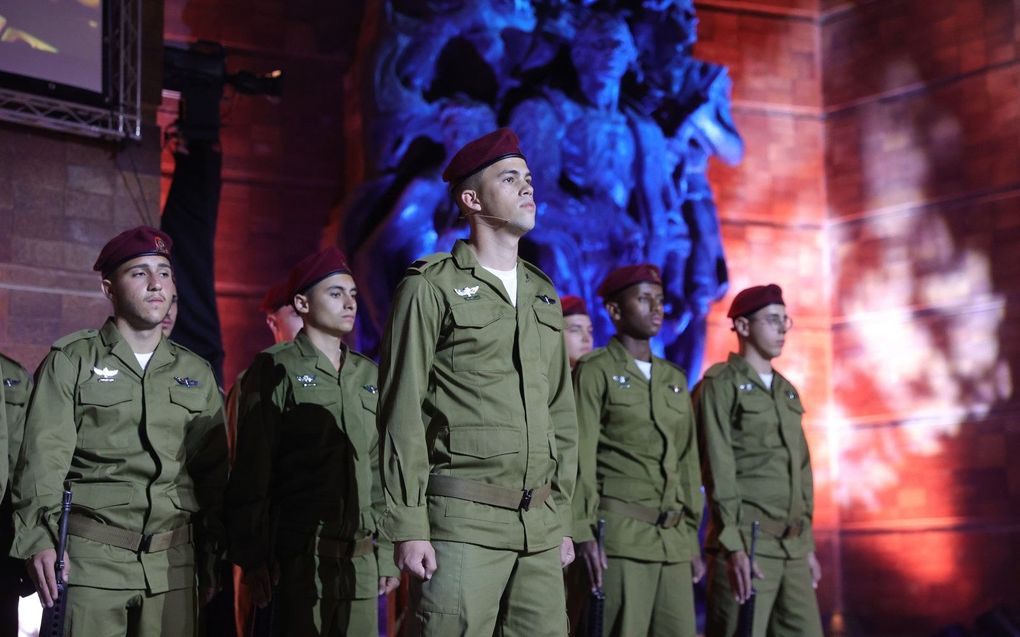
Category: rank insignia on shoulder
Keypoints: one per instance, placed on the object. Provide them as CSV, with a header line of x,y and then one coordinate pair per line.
x,y
372,389
307,380
545,299
746,387
675,389
186,382
622,381
468,293
791,394
12,382
105,374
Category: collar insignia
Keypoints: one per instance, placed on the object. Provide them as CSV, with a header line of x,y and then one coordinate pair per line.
x,y
372,389
106,375
12,382
746,387
545,299
186,382
307,380
675,389
622,381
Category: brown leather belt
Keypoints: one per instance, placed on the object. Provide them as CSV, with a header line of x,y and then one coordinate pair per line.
x,y
664,519
90,529
330,547
482,493
780,529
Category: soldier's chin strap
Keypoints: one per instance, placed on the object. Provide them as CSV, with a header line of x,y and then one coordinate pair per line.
x,y
494,227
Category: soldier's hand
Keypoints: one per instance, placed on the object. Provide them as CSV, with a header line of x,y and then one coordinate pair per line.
x,y
697,569
594,560
739,569
566,552
388,584
41,569
416,557
260,584
815,568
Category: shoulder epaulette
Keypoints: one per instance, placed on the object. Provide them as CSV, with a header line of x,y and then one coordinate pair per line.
x,y
715,370
424,263
531,267
675,366
276,347
73,337
593,355
185,349
363,358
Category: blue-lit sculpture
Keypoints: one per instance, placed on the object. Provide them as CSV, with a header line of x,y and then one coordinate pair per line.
x,y
617,120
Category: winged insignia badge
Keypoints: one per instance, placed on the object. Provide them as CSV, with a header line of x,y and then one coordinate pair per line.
x,y
12,382
186,382
467,292
307,380
106,375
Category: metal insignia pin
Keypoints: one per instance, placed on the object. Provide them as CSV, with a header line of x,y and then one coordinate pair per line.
x,y
545,299
746,387
186,382
622,381
467,292
307,380
675,388
791,395
12,382
372,389
105,374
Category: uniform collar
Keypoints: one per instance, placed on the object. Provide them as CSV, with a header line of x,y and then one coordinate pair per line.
x,y
621,355
310,351
118,347
741,365
465,259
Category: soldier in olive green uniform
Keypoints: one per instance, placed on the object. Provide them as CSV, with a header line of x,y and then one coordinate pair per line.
x,y
15,387
304,493
638,468
756,467
477,417
135,423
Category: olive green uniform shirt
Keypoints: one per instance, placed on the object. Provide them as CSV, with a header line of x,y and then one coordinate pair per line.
x,y
307,466
475,388
636,444
755,459
145,451
15,388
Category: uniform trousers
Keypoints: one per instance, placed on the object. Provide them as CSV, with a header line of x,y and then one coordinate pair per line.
x,y
99,612
648,598
785,604
299,611
480,592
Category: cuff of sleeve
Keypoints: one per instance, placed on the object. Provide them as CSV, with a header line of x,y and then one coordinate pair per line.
x,y
384,560
583,531
730,539
401,524
30,540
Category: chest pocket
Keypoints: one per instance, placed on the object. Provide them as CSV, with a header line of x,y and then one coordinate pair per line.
x,y
628,418
549,321
17,395
107,415
314,416
482,340
758,423
192,399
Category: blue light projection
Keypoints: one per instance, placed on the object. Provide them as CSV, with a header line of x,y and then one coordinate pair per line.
x,y
616,117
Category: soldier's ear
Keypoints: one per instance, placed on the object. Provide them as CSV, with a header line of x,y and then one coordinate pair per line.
x,y
107,287
742,326
613,309
301,304
469,200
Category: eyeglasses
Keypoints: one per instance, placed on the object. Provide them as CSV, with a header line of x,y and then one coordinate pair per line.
x,y
784,323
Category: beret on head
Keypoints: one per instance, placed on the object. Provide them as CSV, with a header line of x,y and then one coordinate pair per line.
x,y
136,242
314,268
275,298
628,275
754,298
481,153
573,305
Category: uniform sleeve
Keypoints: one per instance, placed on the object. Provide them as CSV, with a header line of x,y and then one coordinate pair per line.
x,y
809,496
563,417
690,476
589,393
246,506
45,457
383,545
405,364
206,443
713,400
4,444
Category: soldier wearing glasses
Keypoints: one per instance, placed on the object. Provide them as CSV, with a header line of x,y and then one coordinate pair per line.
x,y
756,466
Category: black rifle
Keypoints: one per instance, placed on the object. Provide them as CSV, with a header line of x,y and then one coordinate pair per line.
x,y
745,621
54,616
597,598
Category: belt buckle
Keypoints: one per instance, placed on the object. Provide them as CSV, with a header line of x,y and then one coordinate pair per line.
x,y
662,519
145,544
794,530
526,499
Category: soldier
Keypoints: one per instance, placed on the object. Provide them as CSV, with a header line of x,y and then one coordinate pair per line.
x,y
304,494
15,387
284,323
756,467
135,423
577,329
477,416
638,467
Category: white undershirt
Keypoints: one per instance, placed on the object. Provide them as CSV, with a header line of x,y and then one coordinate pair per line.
x,y
143,359
645,367
509,279
767,378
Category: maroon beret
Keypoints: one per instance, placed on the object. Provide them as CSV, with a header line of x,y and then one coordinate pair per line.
x,y
275,298
572,305
314,268
136,242
627,276
753,299
481,153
